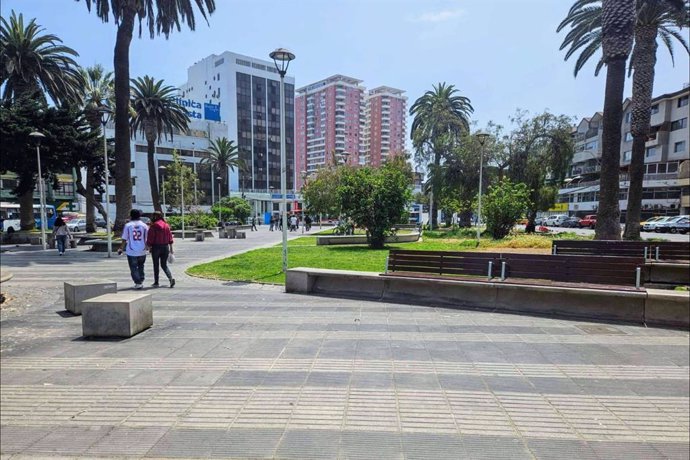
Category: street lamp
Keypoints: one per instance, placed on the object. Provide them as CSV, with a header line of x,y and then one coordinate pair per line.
x,y
220,219
162,172
481,137
105,112
194,166
281,58
37,137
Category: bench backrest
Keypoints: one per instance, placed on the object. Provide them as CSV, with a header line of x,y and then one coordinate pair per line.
x,y
443,262
671,250
620,271
602,248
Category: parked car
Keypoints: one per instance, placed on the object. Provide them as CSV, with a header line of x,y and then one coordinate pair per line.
x,y
667,225
555,221
589,221
681,226
651,226
571,222
77,225
100,222
540,220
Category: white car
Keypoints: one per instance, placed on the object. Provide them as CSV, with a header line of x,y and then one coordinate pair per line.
x,y
650,226
555,221
77,225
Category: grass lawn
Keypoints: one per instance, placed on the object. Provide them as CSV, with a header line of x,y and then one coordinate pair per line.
x,y
264,265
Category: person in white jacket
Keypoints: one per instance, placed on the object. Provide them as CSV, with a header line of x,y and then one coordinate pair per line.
x,y
61,233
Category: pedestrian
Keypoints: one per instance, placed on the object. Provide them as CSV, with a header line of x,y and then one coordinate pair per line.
x,y
293,222
160,243
271,223
134,239
307,222
61,233
254,224
280,222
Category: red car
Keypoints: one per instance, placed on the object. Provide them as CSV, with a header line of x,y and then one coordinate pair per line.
x,y
589,221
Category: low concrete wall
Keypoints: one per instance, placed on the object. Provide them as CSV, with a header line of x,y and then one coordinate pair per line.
x,y
191,233
656,308
362,239
669,273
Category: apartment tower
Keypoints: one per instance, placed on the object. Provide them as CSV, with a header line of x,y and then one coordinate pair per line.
x,y
385,114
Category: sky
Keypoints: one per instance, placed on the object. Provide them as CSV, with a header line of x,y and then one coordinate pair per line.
x,y
502,54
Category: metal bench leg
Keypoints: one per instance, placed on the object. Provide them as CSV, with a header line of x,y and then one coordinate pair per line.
x,y
386,270
657,253
638,276
646,252
503,271
491,266
554,250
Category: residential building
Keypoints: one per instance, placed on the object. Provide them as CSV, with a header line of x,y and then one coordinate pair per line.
x,y
246,92
385,126
667,147
64,197
328,124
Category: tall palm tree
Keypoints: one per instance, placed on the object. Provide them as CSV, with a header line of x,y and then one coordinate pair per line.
x,y
223,156
157,114
160,17
98,90
440,118
32,64
654,18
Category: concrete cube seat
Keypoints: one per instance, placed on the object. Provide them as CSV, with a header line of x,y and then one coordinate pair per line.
x,y
123,314
78,291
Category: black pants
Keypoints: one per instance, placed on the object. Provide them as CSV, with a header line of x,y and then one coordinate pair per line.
x,y
159,254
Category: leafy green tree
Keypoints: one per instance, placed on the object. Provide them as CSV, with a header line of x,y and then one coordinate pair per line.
x,y
223,155
159,17
440,116
376,198
179,183
540,151
156,115
654,19
69,143
232,208
97,91
320,191
504,204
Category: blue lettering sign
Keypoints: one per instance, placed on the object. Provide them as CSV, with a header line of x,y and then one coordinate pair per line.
x,y
212,111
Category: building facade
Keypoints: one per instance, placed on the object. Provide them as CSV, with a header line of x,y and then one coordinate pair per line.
x,y
246,92
385,126
667,148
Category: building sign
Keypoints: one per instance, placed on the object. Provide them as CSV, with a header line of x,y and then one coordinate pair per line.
x,y
211,111
559,207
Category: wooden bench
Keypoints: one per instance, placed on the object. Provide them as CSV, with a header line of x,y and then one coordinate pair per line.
x,y
671,250
556,269
658,250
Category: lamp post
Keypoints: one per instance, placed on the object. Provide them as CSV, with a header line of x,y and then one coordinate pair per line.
x,y
220,219
36,136
105,112
281,58
182,197
162,171
481,137
196,202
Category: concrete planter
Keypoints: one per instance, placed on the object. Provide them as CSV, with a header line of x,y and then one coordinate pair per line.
x,y
362,239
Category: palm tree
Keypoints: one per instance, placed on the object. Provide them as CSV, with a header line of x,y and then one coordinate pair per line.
x,y
223,155
97,91
160,17
157,114
654,18
33,64
440,118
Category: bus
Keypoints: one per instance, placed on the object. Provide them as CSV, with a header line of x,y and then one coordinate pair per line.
x,y
9,216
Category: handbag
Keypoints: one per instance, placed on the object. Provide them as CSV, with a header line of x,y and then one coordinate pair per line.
x,y
171,258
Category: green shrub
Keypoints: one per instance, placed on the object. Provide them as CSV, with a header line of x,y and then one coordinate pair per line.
x,y
193,220
506,202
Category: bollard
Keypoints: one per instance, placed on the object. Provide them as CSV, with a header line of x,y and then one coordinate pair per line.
x,y
386,270
554,250
646,252
491,265
503,271
657,253
638,274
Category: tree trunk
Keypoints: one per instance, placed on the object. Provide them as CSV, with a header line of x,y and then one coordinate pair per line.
x,y
617,29
465,219
83,191
123,155
89,197
608,213
643,86
153,174
26,211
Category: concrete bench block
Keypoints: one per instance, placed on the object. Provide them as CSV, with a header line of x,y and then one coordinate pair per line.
x,y
199,236
240,235
123,314
76,292
667,308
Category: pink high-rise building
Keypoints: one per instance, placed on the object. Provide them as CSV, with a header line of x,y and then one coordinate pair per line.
x,y
328,124
386,110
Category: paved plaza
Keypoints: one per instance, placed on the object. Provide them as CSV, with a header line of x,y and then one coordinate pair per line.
x,y
232,370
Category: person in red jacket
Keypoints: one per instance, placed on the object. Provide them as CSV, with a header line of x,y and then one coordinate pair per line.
x,y
160,242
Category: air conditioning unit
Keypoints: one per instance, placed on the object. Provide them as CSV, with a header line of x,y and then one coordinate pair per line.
x,y
645,206
657,206
673,206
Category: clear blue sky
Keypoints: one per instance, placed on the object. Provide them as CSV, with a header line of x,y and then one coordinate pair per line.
x,y
502,54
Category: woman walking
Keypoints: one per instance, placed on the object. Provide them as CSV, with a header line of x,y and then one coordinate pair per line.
x,y
160,241
61,233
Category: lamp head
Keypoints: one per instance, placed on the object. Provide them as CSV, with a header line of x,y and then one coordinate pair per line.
x,y
37,137
105,113
482,137
281,58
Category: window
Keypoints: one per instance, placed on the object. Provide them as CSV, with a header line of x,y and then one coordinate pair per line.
x,y
672,167
679,147
655,109
628,117
651,169
679,124
661,168
682,101
627,155
219,62
628,136
651,151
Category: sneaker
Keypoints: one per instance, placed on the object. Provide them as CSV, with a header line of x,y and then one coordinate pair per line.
x,y
154,285
138,286
172,283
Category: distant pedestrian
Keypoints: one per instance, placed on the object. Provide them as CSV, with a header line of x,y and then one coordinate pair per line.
x,y
61,233
307,223
134,238
271,223
160,242
280,222
254,224
293,223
